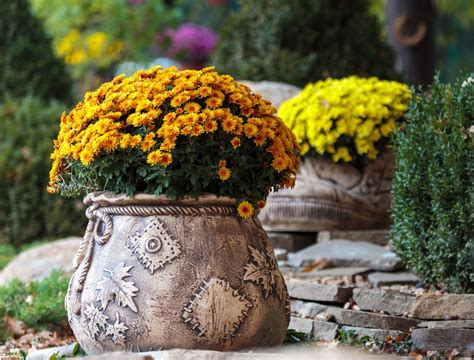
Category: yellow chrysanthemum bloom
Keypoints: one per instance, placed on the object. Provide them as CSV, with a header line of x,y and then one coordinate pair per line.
x,y
346,119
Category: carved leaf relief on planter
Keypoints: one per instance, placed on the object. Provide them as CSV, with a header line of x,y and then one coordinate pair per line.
x,y
154,248
100,328
114,287
217,310
263,270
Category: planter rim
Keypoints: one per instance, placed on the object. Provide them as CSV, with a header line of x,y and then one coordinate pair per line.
x,y
105,198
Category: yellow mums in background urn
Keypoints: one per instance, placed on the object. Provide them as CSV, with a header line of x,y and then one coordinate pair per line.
x,y
344,128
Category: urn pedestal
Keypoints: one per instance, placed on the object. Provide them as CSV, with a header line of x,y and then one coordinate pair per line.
x,y
152,273
332,196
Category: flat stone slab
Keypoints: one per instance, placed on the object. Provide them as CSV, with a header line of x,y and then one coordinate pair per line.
x,y
391,278
444,307
306,309
324,330
38,262
379,237
338,272
308,290
447,324
442,340
373,333
301,325
390,301
349,254
371,320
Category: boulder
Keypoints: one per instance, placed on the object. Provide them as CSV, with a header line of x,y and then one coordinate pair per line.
x,y
276,92
38,262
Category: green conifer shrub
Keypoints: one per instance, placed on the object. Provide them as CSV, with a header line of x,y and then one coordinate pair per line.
x,y
27,211
303,41
433,187
27,62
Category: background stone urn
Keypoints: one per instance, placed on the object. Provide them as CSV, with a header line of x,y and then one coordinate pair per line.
x,y
333,196
154,273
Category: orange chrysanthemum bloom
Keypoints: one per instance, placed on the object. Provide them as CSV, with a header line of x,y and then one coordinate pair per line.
x,y
245,209
192,107
235,142
210,126
279,163
165,159
222,163
261,204
224,173
213,102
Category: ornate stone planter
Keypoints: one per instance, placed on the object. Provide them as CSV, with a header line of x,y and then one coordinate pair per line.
x,y
154,273
330,196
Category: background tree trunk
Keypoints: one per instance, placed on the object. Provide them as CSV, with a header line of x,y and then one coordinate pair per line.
x,y
411,29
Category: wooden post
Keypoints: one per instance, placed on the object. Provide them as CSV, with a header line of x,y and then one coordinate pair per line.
x,y
411,30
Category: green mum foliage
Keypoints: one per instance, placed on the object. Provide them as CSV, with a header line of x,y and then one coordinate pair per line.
x,y
303,41
433,188
27,62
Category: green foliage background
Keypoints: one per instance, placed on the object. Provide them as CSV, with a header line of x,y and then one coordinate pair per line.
x,y
27,212
433,187
303,41
44,307
27,62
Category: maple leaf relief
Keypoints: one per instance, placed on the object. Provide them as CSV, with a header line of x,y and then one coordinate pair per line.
x,y
263,270
117,330
114,288
95,320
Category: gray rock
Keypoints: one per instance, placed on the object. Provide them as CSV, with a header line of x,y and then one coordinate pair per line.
x,y
45,354
371,320
378,237
445,306
291,241
348,253
308,290
442,340
390,301
383,278
338,271
301,325
38,262
306,309
373,333
275,92
448,324
324,330
281,254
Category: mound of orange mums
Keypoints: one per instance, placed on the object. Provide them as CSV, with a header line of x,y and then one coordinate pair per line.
x,y
178,133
